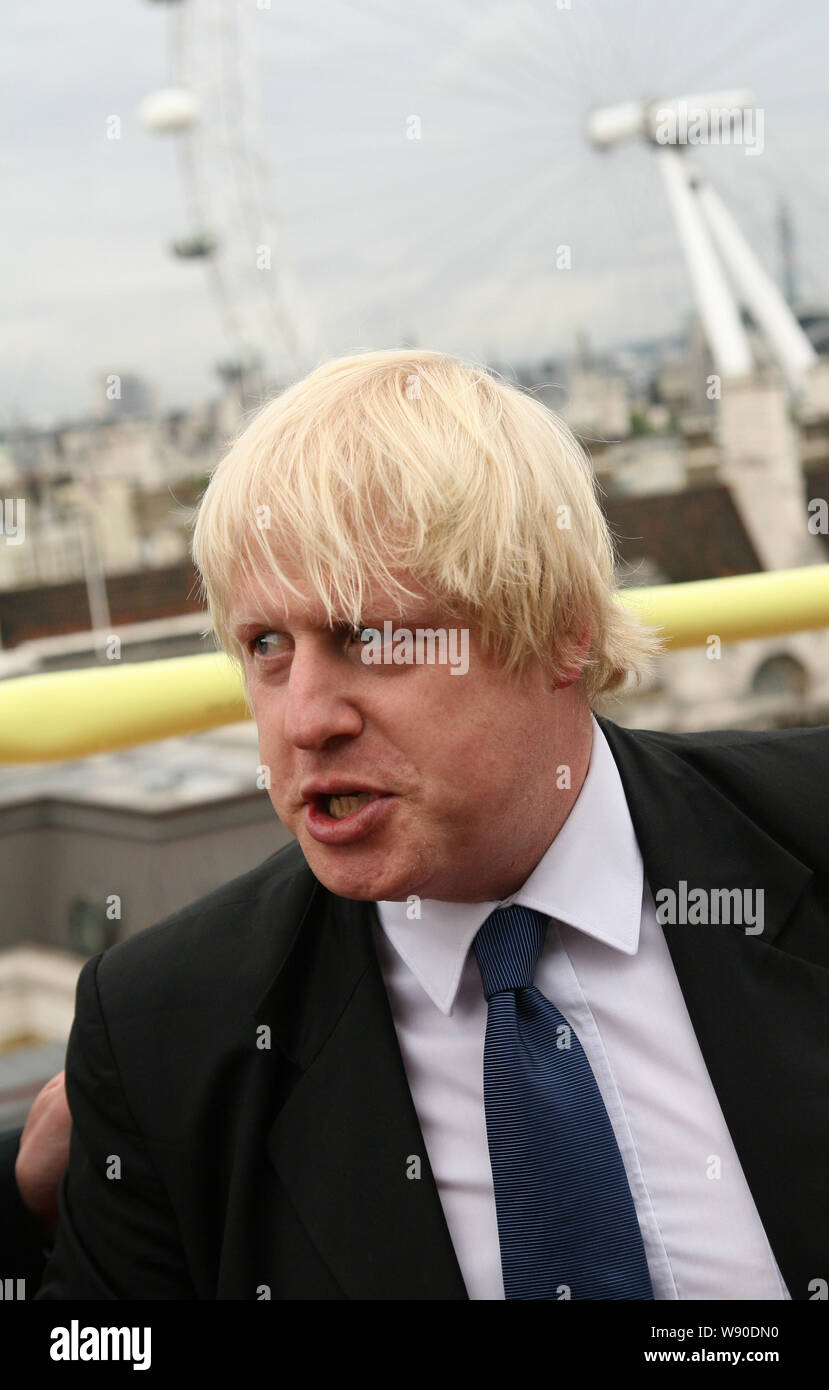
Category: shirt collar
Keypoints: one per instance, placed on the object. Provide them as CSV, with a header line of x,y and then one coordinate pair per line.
x,y
591,878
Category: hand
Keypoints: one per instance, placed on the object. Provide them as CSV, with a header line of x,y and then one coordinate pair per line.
x,y
43,1153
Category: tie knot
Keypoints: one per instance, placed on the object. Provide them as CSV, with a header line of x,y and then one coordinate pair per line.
x,y
507,948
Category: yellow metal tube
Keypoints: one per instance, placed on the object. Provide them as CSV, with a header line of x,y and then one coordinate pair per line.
x,y
71,714
736,609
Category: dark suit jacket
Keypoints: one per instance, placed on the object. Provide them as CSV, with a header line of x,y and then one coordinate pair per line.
x,y
242,1121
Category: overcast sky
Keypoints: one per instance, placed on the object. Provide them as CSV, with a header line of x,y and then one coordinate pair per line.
x,y
450,238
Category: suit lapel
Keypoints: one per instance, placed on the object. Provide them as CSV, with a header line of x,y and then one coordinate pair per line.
x,y
759,1010
346,1143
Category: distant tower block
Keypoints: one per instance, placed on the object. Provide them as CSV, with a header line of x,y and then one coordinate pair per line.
x,y
597,403
760,464
814,403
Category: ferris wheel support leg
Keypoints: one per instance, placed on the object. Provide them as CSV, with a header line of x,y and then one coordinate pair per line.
x,y
717,307
758,291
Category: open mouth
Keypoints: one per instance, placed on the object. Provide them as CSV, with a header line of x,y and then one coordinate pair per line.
x,y
347,817
345,804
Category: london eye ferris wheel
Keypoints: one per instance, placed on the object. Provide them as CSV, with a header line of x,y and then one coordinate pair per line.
x,y
212,108
458,235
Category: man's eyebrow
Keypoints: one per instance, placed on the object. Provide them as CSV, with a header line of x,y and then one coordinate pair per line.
x,y
419,611
242,621
261,622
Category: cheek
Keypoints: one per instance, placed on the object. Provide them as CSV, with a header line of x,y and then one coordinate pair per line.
x,y
268,721
491,741
273,751
469,762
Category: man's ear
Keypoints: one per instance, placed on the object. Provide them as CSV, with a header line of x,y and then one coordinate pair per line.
x,y
574,670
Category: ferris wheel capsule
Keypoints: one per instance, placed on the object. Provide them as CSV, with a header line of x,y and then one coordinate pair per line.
x,y
198,246
169,111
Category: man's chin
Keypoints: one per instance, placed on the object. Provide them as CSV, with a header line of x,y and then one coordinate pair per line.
x,y
352,871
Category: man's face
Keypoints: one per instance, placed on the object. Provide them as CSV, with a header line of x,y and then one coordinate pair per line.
x,y
465,768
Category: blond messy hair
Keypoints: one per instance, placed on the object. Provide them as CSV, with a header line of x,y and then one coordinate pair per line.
x,y
417,461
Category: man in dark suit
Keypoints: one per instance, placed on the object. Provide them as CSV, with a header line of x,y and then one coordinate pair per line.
x,y
278,1092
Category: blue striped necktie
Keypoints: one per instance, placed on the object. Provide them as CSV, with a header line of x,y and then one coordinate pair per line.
x,y
567,1225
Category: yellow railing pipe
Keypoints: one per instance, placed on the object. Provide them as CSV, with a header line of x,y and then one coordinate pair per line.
x,y
738,608
71,714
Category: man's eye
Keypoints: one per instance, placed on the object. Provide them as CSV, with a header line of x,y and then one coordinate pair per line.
x,y
361,636
358,633
260,644
268,644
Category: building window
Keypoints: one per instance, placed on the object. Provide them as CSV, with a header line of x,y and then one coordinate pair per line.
x,y
780,675
90,928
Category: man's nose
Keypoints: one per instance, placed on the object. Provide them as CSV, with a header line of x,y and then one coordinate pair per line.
x,y
321,703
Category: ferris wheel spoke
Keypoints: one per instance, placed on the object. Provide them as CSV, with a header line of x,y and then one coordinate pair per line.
x,y
755,36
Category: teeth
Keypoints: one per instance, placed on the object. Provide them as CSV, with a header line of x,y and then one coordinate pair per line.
x,y
339,806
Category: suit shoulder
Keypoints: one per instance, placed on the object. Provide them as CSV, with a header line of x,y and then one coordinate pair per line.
x,y
765,749
778,777
250,918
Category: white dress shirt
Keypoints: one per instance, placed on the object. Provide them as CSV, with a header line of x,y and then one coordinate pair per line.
x,y
606,966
